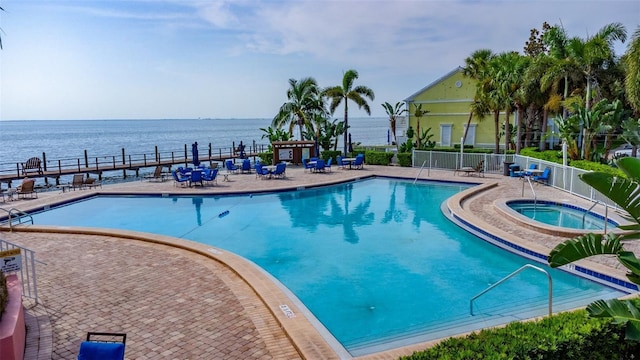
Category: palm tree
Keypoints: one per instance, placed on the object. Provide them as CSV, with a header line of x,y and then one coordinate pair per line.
x,y
419,112
348,92
476,67
304,101
393,112
632,79
625,192
1,9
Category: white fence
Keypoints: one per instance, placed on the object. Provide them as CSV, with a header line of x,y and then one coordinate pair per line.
x,y
27,273
561,177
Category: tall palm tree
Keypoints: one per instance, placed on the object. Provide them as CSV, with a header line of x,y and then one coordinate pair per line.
x,y
1,9
476,67
347,92
632,79
394,112
304,101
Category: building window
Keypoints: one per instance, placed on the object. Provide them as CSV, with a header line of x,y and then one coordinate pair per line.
x,y
445,134
471,134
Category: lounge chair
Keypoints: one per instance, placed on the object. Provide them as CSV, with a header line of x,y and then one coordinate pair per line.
x,y
103,346
33,165
544,177
468,170
231,167
179,179
91,183
280,170
77,182
27,188
156,176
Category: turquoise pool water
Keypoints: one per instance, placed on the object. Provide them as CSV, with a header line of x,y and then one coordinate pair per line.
x,y
374,261
557,214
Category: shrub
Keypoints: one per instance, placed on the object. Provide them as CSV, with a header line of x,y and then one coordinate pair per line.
x,y
378,157
565,336
327,154
4,293
266,157
404,159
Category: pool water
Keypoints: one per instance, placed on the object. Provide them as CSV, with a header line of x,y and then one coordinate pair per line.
x,y
562,215
375,261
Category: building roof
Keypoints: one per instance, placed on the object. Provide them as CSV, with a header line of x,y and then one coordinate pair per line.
x,y
447,75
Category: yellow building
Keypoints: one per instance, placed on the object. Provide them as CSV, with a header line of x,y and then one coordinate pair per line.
x,y
448,101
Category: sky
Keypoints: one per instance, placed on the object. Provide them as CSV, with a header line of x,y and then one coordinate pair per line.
x,y
166,59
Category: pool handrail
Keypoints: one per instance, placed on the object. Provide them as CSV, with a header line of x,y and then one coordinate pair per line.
x,y
509,277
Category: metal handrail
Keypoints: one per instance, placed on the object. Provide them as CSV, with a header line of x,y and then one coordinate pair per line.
x,y
512,275
20,216
606,214
419,172
535,198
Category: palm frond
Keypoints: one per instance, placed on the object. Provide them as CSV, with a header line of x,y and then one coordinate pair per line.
x,y
584,246
621,311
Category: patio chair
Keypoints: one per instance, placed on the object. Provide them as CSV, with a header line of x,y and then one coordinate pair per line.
x,y
359,162
27,188
210,175
544,177
280,170
261,171
339,162
327,166
77,182
103,346
156,176
319,165
246,166
91,183
528,171
33,165
179,179
231,167
308,165
196,177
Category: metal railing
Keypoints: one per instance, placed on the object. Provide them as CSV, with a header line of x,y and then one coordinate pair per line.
x,y
27,272
20,216
509,277
561,177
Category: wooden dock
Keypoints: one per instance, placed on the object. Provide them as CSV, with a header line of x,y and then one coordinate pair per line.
x,y
53,170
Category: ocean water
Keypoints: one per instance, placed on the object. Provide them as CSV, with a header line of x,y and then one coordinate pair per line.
x,y
68,139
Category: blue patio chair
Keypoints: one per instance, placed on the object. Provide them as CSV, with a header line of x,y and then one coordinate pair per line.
x,y
210,175
307,165
327,166
531,167
103,346
544,177
319,165
196,177
339,162
280,170
359,162
246,166
179,179
231,167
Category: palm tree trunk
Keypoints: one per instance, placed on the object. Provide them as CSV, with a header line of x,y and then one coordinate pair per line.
x,y
496,121
519,129
346,125
466,130
507,131
543,130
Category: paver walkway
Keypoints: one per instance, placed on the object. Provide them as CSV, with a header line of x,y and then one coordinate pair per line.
x,y
177,304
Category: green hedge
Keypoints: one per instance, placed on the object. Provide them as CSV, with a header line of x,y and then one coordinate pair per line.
x,y
566,336
404,159
555,156
378,157
4,293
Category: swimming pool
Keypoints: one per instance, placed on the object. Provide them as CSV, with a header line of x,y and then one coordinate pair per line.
x,y
560,214
375,261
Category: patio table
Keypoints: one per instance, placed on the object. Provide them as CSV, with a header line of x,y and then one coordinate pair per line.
x,y
348,160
